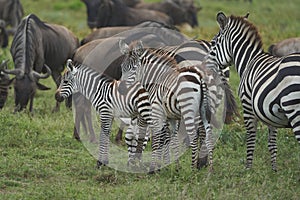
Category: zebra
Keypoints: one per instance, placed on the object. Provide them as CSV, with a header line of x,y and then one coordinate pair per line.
x,y
269,86
103,93
175,93
193,53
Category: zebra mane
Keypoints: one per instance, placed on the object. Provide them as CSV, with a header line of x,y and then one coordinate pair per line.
x,y
166,54
252,28
103,75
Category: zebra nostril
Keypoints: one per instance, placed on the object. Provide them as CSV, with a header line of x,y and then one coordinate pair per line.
x,y
58,97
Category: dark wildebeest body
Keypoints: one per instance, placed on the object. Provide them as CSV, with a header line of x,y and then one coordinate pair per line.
x,y
37,48
180,14
285,47
131,3
105,32
102,13
11,11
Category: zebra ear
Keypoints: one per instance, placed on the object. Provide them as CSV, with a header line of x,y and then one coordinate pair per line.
x,y
222,19
138,49
71,67
124,48
247,15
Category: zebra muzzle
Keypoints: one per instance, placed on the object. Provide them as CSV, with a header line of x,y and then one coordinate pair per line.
x,y
58,97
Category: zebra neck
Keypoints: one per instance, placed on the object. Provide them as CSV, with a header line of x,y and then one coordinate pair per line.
x,y
155,68
244,55
90,83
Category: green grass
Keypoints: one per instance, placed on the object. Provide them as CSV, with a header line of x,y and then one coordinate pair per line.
x,y
39,159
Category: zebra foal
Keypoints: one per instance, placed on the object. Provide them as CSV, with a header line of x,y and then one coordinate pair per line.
x,y
269,86
103,93
175,94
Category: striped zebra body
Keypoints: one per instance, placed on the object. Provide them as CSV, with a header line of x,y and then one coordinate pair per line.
x,y
194,53
103,93
269,87
175,93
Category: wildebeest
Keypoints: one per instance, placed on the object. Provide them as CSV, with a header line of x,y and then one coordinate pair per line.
x,y
4,84
285,47
152,33
102,13
3,34
131,3
38,48
105,32
180,12
11,11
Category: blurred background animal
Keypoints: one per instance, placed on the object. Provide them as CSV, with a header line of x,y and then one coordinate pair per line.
x,y
285,47
102,13
11,11
38,50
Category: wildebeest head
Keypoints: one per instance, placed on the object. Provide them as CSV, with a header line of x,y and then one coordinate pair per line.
x,y
92,8
25,85
191,10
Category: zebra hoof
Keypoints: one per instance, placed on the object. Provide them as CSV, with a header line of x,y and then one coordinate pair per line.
x,y
202,162
101,163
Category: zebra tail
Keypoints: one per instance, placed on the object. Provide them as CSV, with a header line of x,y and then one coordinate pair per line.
x,y
231,107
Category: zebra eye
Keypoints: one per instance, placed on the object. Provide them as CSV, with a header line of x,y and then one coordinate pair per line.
x,y
65,81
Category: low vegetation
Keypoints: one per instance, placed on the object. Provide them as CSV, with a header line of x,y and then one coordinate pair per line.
x,y
40,159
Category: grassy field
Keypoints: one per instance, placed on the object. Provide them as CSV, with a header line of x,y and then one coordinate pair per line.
x,y
40,159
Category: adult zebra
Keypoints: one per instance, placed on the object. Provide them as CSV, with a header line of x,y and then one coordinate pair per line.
x,y
269,87
103,93
175,93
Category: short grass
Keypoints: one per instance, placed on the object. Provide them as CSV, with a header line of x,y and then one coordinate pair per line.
x,y
39,159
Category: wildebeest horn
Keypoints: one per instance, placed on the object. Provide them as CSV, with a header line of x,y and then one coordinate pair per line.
x,y
40,75
16,72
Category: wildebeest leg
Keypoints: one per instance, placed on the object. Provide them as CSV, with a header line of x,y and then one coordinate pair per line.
x,y
57,78
118,137
31,104
88,115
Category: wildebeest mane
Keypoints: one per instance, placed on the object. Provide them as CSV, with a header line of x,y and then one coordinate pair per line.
x,y
25,41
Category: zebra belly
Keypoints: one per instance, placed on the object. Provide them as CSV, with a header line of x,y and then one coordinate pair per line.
x,y
273,116
276,106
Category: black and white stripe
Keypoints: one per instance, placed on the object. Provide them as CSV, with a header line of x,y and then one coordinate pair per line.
x,y
103,93
175,93
269,87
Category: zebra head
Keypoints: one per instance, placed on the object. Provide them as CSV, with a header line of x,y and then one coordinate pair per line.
x,y
221,47
67,85
130,64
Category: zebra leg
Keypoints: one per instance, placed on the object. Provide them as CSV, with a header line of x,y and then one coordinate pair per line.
x,y
141,135
251,127
200,154
106,123
175,124
208,138
130,139
156,146
273,146
166,140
